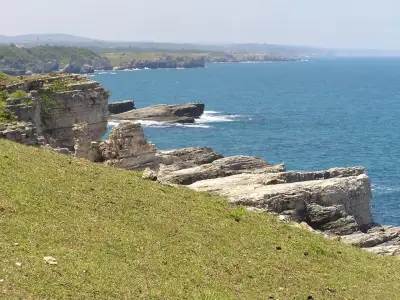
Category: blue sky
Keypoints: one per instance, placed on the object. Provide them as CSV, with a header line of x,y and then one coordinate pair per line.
x,y
335,23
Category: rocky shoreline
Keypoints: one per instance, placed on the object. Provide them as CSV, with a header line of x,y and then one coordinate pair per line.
x,y
334,203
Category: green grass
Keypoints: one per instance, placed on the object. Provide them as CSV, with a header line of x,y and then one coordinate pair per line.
x,y
116,236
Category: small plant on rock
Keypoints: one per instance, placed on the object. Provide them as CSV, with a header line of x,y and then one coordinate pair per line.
x,y
6,115
59,86
46,105
18,94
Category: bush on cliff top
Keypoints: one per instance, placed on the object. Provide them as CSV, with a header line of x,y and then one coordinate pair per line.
x,y
116,236
18,94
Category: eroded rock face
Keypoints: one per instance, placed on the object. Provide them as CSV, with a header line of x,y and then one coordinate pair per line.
x,y
128,148
21,132
184,113
52,105
84,103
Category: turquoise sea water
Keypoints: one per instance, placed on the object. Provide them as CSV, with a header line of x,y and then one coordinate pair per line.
x,y
310,115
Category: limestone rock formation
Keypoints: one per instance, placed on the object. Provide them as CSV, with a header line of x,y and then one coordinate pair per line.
x,y
335,202
219,168
21,132
188,157
184,113
52,105
128,148
121,106
85,102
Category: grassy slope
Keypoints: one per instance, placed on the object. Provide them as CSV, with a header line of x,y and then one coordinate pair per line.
x,y
116,236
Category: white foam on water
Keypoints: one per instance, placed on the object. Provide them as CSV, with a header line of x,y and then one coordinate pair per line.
x,y
113,123
216,117
193,125
149,123
156,124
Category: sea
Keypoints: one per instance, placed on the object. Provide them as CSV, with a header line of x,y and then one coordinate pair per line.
x,y
312,114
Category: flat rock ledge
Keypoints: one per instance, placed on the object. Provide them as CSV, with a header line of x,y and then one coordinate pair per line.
x,y
180,113
334,202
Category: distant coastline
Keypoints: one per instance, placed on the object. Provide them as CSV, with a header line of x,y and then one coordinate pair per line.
x,y
21,60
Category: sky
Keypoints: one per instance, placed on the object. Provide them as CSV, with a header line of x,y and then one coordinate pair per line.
x,y
362,24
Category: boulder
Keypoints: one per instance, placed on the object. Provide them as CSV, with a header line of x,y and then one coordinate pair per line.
x,y
121,106
183,113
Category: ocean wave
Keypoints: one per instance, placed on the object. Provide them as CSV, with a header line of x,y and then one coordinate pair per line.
x,y
113,123
217,117
193,125
156,124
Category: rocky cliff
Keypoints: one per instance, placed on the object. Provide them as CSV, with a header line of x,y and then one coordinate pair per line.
x,y
52,105
164,63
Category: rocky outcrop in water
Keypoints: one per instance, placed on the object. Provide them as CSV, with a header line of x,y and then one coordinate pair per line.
x,y
121,106
183,113
335,202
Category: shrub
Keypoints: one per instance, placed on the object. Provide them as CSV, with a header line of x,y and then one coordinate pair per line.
x,y
18,94
59,86
46,106
3,76
6,115
3,98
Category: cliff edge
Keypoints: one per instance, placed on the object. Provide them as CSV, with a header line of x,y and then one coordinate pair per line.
x,y
45,108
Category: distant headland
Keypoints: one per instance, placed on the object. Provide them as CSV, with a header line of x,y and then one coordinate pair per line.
x,y
36,54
